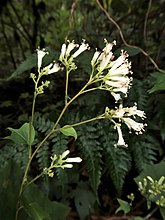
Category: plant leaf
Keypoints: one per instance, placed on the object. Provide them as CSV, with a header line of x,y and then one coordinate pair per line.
x,y
162,212
84,200
21,135
130,50
124,206
69,131
38,205
159,82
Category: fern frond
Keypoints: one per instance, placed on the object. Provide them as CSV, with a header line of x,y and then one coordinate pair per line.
x,y
89,146
144,150
117,160
18,152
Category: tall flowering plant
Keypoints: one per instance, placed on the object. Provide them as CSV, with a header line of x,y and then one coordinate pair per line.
x,y
108,73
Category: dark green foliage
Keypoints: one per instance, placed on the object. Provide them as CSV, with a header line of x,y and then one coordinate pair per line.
x,y
144,150
10,181
117,159
39,207
19,152
89,145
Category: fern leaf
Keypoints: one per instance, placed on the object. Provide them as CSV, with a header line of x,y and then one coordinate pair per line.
x,y
118,162
90,148
144,151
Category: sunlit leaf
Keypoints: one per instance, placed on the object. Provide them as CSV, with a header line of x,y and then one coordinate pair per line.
x,y
69,131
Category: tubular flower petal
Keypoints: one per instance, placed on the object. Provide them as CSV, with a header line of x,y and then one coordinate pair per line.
x,y
70,47
121,141
63,51
64,154
73,160
136,126
67,165
81,49
106,56
40,56
95,57
54,69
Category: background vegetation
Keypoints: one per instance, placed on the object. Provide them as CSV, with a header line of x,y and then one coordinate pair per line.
x,y
107,173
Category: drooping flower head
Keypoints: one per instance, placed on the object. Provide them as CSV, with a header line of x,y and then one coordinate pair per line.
x,y
123,115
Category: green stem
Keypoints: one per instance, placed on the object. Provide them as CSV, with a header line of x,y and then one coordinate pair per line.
x,y
43,141
31,124
58,129
66,87
71,100
86,121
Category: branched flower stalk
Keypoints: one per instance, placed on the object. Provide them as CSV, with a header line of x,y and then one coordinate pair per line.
x,y
107,73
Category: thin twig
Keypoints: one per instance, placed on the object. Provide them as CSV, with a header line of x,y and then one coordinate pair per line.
x,y
146,20
151,213
73,8
124,41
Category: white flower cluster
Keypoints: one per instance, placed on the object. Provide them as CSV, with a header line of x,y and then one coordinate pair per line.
x,y
124,115
51,68
67,58
61,162
116,79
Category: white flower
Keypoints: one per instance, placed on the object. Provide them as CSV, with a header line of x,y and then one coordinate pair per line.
x,y
95,57
121,141
122,85
63,51
105,59
70,47
136,126
67,165
120,60
54,69
81,49
106,56
64,154
40,55
117,97
133,111
73,160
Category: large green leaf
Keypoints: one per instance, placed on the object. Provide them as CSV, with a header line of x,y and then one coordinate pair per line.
x,y
155,172
31,62
21,135
69,131
39,207
84,200
159,82
10,182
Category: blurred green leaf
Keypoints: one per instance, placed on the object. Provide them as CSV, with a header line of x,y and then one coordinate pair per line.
x,y
10,182
31,62
156,171
130,50
38,206
84,200
159,82
21,135
69,131
162,212
124,206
